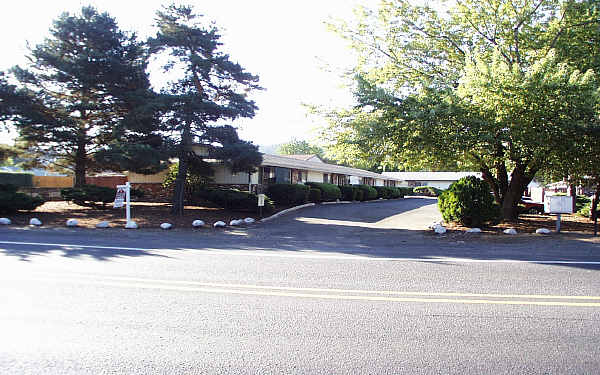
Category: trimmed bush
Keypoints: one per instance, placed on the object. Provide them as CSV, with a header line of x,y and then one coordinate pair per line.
x,y
314,195
11,201
428,191
288,194
17,179
359,194
369,192
387,192
469,202
397,193
329,192
232,199
90,196
348,192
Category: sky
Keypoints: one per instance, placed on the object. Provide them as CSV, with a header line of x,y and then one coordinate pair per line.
x,y
285,43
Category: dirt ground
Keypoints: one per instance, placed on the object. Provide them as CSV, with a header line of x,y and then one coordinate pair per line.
x,y
146,215
529,224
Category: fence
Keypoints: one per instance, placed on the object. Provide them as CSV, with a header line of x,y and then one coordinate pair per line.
x,y
52,181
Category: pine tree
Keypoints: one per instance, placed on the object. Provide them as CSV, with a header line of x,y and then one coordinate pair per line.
x,y
85,87
212,89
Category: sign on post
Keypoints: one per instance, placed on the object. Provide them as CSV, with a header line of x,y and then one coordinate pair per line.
x,y
124,194
558,204
261,200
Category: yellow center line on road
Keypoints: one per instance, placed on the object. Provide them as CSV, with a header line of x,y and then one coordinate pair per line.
x,y
367,295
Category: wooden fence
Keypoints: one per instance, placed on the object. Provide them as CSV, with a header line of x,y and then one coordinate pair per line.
x,y
52,181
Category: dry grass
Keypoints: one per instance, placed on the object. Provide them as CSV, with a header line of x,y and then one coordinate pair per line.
x,y
146,215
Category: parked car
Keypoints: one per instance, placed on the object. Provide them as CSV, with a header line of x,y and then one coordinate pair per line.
x,y
530,207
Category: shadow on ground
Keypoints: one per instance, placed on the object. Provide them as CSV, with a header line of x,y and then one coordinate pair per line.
x,y
366,229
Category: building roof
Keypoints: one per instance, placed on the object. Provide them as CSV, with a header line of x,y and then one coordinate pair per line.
x,y
303,157
431,176
290,162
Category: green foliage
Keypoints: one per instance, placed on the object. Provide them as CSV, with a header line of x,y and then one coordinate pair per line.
x,y
428,191
232,199
368,192
314,195
583,206
85,87
300,147
348,192
329,192
388,192
210,88
95,196
397,193
197,179
405,191
17,179
359,194
288,194
469,202
507,88
11,201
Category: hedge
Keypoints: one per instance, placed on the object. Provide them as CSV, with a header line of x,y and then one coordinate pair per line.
x,y
17,179
232,199
388,192
329,192
95,196
11,201
348,192
288,194
428,191
314,195
405,191
359,193
369,192
469,202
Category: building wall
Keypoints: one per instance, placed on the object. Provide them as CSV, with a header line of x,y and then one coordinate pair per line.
x,y
224,176
53,181
379,182
136,178
315,176
354,180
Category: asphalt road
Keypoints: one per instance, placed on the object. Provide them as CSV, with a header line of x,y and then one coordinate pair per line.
x,y
353,288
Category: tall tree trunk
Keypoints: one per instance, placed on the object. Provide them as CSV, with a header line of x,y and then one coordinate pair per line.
x,y
594,212
179,188
514,191
80,163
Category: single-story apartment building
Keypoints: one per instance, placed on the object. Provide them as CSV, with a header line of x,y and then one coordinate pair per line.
x,y
440,180
294,169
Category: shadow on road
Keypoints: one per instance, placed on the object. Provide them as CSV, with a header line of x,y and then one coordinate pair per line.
x,y
365,229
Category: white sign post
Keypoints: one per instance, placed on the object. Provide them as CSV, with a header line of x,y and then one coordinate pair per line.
x,y
558,204
261,203
124,194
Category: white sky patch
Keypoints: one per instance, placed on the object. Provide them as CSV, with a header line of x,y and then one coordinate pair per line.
x,y
284,43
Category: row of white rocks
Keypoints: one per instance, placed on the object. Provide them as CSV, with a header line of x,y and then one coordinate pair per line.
x,y
133,225
440,229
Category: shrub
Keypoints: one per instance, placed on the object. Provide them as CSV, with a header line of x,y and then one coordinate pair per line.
x,y
359,194
469,202
232,199
405,191
369,192
348,192
396,193
314,195
17,179
329,192
288,194
90,195
428,191
11,201
387,192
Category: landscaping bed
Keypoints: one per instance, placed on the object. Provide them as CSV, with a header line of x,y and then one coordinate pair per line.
x,y
528,223
145,214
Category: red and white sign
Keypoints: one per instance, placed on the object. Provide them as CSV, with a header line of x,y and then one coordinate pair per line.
x,y
120,197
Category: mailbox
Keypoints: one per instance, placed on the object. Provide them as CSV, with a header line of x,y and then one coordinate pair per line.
x,y
558,204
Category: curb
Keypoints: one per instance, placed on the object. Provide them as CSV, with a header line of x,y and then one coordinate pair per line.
x,y
286,211
340,202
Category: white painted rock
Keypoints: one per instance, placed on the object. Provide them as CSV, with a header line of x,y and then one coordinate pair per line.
x,y
35,221
72,223
219,224
131,225
440,229
510,231
198,223
543,231
249,220
5,221
235,223
166,226
103,224
473,230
